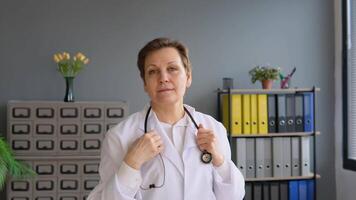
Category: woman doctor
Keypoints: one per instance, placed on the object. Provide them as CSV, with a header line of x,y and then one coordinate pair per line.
x,y
168,150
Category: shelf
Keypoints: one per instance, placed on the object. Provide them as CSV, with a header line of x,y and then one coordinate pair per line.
x,y
69,157
225,108
271,91
282,178
288,134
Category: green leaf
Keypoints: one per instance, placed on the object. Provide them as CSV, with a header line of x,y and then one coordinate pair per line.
x,y
259,73
10,166
3,173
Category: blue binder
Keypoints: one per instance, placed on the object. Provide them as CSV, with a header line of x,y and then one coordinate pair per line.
x,y
308,111
293,190
303,194
310,189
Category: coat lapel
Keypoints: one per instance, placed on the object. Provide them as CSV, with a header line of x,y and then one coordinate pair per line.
x,y
191,131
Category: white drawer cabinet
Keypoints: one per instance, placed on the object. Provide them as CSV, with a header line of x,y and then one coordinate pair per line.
x,y
61,142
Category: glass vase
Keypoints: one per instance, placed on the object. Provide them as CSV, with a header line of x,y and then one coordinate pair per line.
x,y
69,96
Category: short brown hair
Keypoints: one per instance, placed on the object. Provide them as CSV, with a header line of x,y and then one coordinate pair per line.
x,y
158,44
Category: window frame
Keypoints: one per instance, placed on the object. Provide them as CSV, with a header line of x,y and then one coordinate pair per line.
x,y
348,163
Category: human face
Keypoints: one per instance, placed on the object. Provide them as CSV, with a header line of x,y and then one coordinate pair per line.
x,y
166,79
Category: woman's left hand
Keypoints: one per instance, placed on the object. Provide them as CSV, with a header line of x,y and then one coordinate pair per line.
x,y
206,140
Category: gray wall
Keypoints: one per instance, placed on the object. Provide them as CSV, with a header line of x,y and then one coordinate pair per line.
x,y
226,38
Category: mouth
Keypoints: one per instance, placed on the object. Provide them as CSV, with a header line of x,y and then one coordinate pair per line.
x,y
165,90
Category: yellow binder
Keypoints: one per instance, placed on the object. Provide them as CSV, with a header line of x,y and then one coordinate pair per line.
x,y
236,123
262,114
246,116
253,111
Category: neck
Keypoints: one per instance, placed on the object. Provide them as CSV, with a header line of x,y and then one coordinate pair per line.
x,y
169,114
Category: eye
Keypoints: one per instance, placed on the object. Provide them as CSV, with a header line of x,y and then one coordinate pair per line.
x,y
152,71
172,68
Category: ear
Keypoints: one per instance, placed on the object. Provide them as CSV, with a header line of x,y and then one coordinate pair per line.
x,y
144,85
189,79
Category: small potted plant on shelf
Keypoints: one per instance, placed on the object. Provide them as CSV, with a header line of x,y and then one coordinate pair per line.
x,y
9,166
265,74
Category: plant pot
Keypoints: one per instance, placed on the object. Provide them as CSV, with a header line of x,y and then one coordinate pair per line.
x,y
267,84
69,96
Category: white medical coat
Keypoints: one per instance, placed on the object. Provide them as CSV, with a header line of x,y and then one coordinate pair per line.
x,y
186,176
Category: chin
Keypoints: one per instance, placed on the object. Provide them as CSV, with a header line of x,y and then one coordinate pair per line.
x,y
166,101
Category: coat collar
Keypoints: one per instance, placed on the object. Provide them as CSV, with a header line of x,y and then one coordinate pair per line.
x,y
152,115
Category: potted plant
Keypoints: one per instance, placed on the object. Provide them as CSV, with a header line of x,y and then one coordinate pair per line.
x,y
10,166
265,74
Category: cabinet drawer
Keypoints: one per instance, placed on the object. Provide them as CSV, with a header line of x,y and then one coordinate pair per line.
x,y
92,128
68,168
114,113
69,128
91,145
68,196
69,145
89,183
91,168
70,184
92,112
46,129
45,185
45,113
42,145
44,196
21,145
20,128
69,112
21,112
109,125
20,186
46,168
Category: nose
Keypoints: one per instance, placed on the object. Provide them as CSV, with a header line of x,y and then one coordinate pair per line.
x,y
164,77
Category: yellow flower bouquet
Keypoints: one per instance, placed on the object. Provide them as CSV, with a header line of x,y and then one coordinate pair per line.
x,y
70,67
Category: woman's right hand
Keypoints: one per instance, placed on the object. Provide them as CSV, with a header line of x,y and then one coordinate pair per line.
x,y
144,149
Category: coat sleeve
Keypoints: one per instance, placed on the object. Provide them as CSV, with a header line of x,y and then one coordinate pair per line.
x,y
232,184
110,185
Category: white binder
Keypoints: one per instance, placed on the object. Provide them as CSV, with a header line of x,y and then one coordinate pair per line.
x,y
295,156
305,156
260,157
277,156
250,158
241,155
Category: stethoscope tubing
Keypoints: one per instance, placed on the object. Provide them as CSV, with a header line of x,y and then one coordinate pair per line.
x,y
204,155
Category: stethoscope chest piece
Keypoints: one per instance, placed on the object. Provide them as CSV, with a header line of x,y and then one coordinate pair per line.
x,y
206,157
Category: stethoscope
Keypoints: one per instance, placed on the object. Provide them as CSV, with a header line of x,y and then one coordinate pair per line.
x,y
205,157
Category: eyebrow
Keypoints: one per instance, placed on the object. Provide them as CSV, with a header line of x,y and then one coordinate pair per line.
x,y
150,65
173,62
170,62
